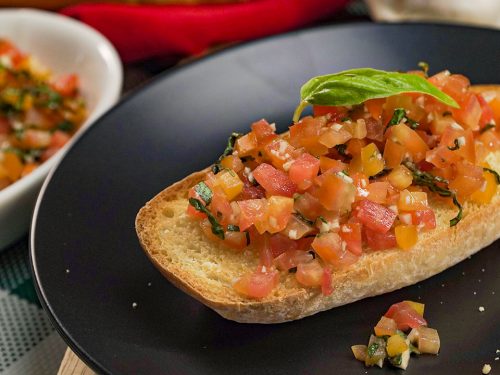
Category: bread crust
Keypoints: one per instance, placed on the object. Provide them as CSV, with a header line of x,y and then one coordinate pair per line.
x,y
176,246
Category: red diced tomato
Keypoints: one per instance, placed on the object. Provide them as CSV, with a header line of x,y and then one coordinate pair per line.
x,y
427,218
274,181
263,132
379,241
310,274
292,258
303,170
326,282
251,211
405,316
332,250
251,191
487,116
351,234
257,284
280,243
374,216
66,85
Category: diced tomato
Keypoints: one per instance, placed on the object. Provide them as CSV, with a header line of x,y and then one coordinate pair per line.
x,y
296,228
332,250
405,316
252,211
229,182
232,162
13,165
393,153
336,192
400,177
374,129
410,140
191,211
257,284
335,113
427,218
375,106
33,138
377,192
308,206
374,216
335,135
379,241
278,152
280,243
263,131
326,282
292,258
303,170
4,126
354,146
487,191
235,240
334,165
274,181
371,160
251,191
59,139
406,236
306,134
206,227
469,178
412,200
490,140
469,113
246,145
278,213
351,234
310,274
487,116
66,85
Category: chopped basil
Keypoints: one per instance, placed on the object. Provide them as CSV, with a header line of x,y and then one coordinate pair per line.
x,y
412,123
204,192
341,149
486,128
456,147
46,96
413,349
430,181
344,119
446,113
229,150
247,235
65,126
397,360
233,228
301,217
382,173
293,270
494,173
217,229
398,116
372,349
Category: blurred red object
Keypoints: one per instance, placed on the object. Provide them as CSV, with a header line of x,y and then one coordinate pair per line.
x,y
141,32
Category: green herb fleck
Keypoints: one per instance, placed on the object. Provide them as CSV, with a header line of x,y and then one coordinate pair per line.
x,y
486,128
398,116
456,147
413,349
344,119
293,270
66,126
217,229
372,349
397,360
321,218
303,218
204,192
341,149
494,173
233,228
229,150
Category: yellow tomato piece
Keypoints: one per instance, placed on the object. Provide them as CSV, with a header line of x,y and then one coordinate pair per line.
x,y
400,177
418,307
232,162
406,236
486,193
396,345
278,213
371,160
12,163
385,327
246,145
412,200
230,183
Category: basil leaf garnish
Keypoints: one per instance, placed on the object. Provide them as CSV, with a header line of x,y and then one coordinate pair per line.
x,y
233,228
217,229
204,192
228,151
355,86
398,116
430,181
486,128
456,147
372,349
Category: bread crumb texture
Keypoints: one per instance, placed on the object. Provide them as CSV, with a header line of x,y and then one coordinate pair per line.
x,y
207,271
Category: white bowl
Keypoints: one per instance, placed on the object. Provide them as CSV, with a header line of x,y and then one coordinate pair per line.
x,y
64,46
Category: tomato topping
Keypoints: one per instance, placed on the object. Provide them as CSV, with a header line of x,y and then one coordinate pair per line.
x,y
406,236
280,243
274,181
336,192
303,170
412,200
371,160
330,247
351,234
252,211
374,216
405,316
379,241
425,218
263,131
326,282
257,284
310,274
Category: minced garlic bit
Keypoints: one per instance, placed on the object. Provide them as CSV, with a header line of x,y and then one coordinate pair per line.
x,y
486,369
481,308
134,305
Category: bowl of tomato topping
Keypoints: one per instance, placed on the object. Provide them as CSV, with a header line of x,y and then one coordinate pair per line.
x,y
57,76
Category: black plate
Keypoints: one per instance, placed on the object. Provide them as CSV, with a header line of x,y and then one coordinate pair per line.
x,y
178,124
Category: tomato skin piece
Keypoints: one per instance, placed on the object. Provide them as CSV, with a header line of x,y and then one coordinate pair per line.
x,y
257,284
374,216
379,241
274,181
405,316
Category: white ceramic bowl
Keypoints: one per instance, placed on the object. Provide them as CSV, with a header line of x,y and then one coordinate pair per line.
x,y
64,46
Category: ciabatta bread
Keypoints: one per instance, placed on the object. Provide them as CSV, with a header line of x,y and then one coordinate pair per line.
x,y
176,245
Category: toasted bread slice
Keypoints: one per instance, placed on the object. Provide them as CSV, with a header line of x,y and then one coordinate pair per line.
x,y
176,245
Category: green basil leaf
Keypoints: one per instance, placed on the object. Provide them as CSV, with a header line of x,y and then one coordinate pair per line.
x,y
228,151
494,173
217,229
372,349
355,86
233,228
204,192
456,147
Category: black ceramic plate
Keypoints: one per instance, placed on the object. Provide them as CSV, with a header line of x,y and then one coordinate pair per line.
x,y
178,124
